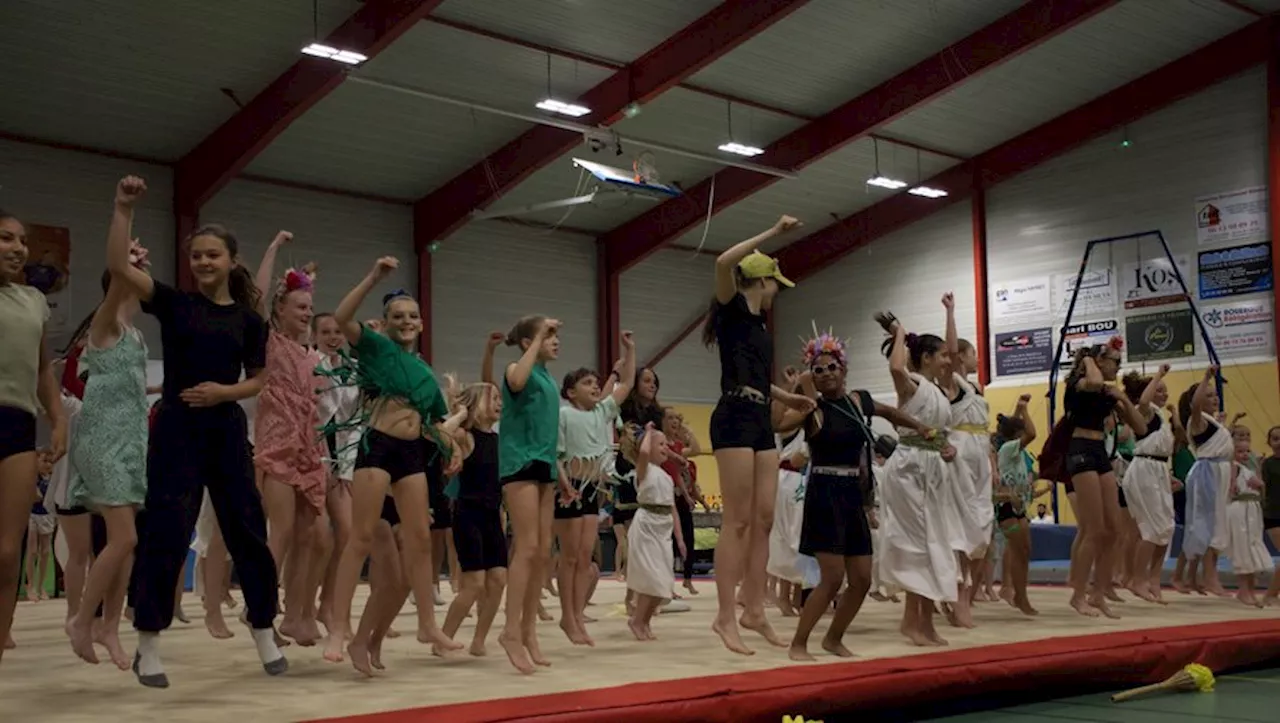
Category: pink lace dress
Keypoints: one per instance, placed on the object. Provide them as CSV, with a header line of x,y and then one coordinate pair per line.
x,y
286,444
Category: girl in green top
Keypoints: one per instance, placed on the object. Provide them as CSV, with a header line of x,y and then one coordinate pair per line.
x,y
529,432
404,406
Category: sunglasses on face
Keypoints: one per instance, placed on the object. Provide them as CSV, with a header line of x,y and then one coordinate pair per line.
x,y
831,368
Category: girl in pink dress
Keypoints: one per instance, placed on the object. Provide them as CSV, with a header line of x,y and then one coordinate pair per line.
x,y
288,453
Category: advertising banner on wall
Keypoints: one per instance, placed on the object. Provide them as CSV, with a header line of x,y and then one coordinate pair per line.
x,y
1097,295
1162,335
49,270
1016,301
1237,270
1086,334
1241,326
1024,352
1232,217
1153,283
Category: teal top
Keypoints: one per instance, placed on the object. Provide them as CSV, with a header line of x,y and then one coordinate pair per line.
x,y
1014,474
530,423
587,434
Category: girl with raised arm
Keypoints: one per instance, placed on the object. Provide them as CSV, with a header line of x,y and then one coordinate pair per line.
x,y
1091,400
969,433
527,454
1147,484
918,557
286,451
339,403
404,406
742,435
1012,498
586,445
1207,534
109,452
198,441
840,489
653,530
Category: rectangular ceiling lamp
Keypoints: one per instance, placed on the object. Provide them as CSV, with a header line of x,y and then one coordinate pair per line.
x,y
886,182
570,109
346,57
926,192
741,150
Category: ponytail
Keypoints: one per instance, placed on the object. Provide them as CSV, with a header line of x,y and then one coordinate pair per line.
x,y
242,288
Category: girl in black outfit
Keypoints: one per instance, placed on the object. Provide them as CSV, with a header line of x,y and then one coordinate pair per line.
x,y
199,439
1090,399
742,438
840,489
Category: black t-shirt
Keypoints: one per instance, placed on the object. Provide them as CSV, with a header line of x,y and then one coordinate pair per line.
x,y
204,341
479,480
1089,408
746,348
842,441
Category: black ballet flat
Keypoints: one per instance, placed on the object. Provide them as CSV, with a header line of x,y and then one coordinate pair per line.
x,y
159,680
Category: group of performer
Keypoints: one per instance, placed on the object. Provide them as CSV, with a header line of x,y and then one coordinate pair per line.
x,y
360,452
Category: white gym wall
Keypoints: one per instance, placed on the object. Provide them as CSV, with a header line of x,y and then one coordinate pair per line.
x,y
906,272
344,236
659,297
488,275
1039,222
75,191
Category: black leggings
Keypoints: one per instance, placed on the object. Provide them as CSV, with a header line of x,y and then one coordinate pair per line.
x,y
192,450
686,530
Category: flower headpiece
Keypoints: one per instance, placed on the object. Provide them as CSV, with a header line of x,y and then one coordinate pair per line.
x,y
1116,344
297,280
821,343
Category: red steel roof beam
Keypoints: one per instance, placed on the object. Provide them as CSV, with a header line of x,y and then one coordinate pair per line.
x,y
702,42
212,164
986,48
1174,81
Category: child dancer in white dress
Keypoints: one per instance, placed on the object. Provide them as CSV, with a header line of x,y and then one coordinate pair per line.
x,y
1209,481
880,591
1246,546
1148,485
788,515
917,554
651,559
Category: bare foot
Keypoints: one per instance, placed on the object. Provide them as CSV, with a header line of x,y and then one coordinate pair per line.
x,y
836,648
1024,605
800,654
1100,603
359,652
181,614
393,633
636,629
915,636
1180,586
516,653
1271,600
788,611
1142,592
217,627
935,639
765,630
1247,598
535,650
1080,605
730,636
81,637
1113,596
297,630
571,632
10,643
110,639
877,596
688,585
333,646
434,636
648,633
585,618
543,615
477,649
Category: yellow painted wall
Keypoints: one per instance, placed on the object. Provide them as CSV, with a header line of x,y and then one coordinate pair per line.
x,y
1253,389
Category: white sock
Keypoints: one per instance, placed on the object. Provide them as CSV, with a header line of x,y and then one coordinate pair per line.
x,y
149,654
265,639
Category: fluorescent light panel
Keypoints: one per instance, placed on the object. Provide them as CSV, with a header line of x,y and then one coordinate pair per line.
x,y
927,192
886,182
740,149
347,57
569,109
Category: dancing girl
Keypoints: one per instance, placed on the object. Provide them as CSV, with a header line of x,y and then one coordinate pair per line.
x,y
1147,484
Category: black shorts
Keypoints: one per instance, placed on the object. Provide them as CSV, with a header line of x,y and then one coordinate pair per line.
x,y
624,493
536,471
389,511
739,423
1006,512
835,521
1271,523
588,502
1087,455
478,536
1124,503
17,432
399,458
74,511
440,504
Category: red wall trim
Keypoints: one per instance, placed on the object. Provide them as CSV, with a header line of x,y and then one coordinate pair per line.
x,y
608,313
982,342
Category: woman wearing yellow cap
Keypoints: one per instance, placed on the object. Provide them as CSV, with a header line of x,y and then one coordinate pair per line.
x,y
746,283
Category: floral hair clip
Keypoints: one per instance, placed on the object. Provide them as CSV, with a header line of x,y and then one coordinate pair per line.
x,y
1116,344
297,280
823,343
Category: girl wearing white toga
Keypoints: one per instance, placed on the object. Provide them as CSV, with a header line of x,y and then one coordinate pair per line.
x,y
917,555
1147,483
650,558
1209,482
972,514
1246,545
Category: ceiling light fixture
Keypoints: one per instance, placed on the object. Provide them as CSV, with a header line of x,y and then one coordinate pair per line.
x,y
927,192
879,180
570,109
740,149
348,57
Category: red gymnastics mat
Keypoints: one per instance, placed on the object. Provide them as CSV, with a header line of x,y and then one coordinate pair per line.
x,y
1116,659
